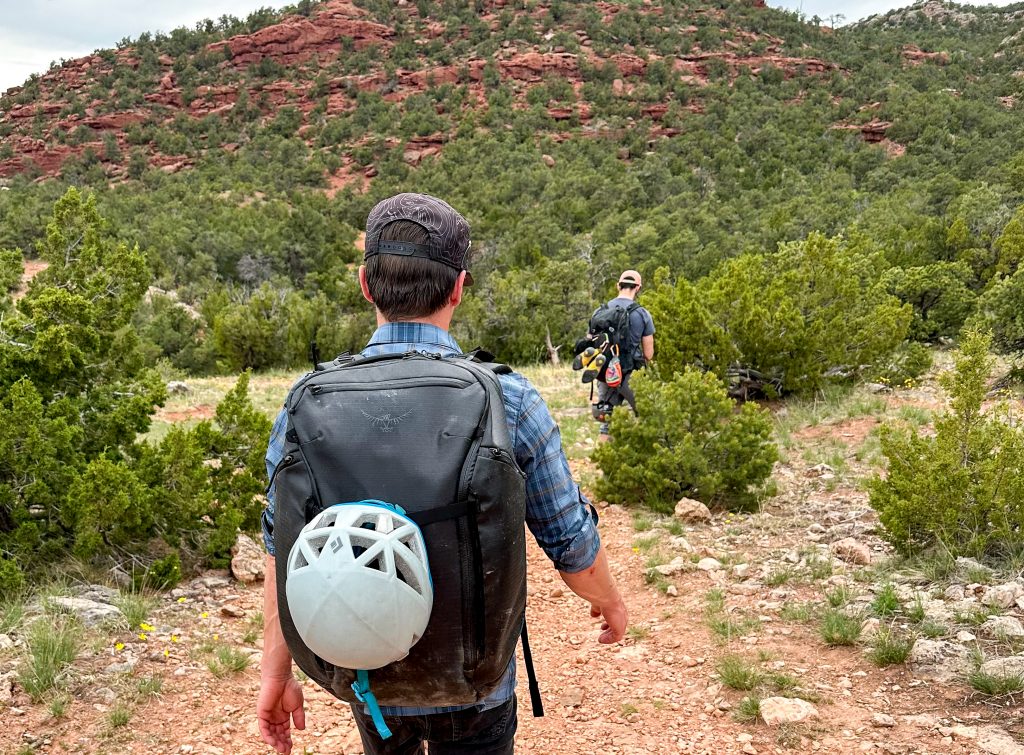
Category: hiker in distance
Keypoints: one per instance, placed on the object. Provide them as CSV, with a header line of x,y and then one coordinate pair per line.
x,y
620,340
400,482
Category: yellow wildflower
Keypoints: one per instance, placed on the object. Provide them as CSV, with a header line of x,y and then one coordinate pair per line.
x,y
181,599
119,647
166,653
216,636
203,615
174,638
143,636
146,627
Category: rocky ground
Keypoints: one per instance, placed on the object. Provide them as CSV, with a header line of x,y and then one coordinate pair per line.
x,y
726,653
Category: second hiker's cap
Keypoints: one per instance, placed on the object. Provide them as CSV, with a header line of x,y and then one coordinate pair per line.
x,y
447,230
630,276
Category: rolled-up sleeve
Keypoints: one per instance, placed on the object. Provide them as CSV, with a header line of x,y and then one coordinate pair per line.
x,y
275,452
557,513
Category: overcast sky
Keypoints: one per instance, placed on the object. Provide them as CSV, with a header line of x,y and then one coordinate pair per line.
x,y
35,32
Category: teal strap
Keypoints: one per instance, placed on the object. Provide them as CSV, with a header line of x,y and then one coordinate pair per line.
x,y
363,695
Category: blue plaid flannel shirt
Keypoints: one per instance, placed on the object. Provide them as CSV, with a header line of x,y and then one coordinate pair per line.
x,y
557,513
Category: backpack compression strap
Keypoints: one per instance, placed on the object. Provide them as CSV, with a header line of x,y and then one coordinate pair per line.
x,y
531,673
361,687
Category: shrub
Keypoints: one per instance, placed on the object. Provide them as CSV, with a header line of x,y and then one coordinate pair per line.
x,y
959,488
939,294
688,439
838,628
1001,311
816,307
686,333
910,360
12,581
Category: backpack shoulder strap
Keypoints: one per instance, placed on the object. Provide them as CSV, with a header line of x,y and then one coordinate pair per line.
x,y
486,359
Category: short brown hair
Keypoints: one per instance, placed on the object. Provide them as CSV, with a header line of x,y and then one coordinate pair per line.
x,y
406,288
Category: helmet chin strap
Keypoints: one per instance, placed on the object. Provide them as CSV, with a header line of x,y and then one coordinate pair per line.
x,y
361,687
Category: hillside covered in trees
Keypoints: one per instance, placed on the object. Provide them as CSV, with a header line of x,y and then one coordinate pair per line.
x,y
579,138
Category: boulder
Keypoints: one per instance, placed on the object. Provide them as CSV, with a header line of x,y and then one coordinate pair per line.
x,y
786,710
1002,627
690,510
1010,666
939,659
89,612
677,565
995,741
1003,596
248,560
852,551
709,564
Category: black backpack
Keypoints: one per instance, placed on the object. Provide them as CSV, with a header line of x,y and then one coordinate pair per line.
x,y
609,331
429,434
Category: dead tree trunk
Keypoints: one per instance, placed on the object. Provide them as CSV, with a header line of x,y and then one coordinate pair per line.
x,y
552,349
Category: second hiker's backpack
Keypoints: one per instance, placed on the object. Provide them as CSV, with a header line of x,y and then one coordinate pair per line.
x,y
609,329
428,434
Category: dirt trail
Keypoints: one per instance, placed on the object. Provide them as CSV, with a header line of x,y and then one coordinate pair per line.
x,y
654,693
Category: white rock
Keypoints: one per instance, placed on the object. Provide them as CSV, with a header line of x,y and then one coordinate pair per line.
x,y
939,659
741,571
7,687
248,560
690,510
852,551
965,637
823,471
1003,596
953,592
882,721
786,710
1004,667
996,741
677,565
681,543
6,643
90,612
869,629
1002,626
709,564
672,591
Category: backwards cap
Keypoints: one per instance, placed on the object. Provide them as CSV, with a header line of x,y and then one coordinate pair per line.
x,y
447,230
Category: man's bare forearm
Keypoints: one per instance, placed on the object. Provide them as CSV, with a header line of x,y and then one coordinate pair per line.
x,y
595,583
277,660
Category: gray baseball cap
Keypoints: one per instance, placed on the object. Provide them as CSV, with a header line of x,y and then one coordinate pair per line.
x,y
447,229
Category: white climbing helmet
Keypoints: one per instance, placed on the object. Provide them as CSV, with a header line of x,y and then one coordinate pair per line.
x,y
358,587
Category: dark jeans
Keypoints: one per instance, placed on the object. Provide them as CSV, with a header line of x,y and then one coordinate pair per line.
x,y
466,731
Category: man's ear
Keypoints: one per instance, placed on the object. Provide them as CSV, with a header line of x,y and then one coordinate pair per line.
x,y
457,290
362,284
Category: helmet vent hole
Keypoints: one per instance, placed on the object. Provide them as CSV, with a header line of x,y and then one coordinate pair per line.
x,y
407,572
317,543
300,560
375,565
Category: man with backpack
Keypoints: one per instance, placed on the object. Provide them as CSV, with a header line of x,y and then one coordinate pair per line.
x,y
624,331
400,480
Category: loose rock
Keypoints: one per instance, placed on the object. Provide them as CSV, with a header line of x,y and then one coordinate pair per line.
x,y
709,564
1003,596
882,721
1011,666
939,659
90,612
786,710
852,551
690,510
247,560
1002,626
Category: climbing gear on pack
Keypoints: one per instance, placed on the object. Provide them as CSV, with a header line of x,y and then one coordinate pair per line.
x,y
361,566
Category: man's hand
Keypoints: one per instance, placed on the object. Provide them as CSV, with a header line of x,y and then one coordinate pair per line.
x,y
615,619
279,704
